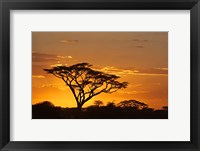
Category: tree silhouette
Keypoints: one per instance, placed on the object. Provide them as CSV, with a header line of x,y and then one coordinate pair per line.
x,y
98,103
85,83
165,108
133,103
111,105
45,104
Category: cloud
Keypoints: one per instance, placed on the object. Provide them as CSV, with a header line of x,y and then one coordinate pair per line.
x,y
139,46
140,40
133,71
38,76
42,57
154,71
69,41
158,84
150,74
57,86
135,85
64,60
58,64
133,92
65,57
162,68
114,70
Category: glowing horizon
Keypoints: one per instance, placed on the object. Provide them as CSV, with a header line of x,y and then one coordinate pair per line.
x,y
140,58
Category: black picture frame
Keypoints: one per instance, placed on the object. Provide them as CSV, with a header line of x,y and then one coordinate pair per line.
x,y
7,5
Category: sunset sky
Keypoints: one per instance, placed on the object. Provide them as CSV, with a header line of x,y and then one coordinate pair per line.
x,y
139,58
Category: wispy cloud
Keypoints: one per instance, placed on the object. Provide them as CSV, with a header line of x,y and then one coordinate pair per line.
x,y
154,71
42,57
57,86
133,71
133,92
140,40
38,76
135,85
150,74
136,39
139,46
162,68
54,60
58,64
114,70
65,57
69,41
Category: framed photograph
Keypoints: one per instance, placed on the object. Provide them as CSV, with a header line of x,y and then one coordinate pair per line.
x,y
99,75
107,86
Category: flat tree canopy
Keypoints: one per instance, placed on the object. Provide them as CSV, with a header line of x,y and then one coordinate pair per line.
x,y
85,83
133,104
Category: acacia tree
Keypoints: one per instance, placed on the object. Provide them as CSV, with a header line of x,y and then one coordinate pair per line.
x,y
133,103
98,103
85,83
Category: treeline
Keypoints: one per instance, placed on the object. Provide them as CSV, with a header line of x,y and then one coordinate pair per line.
x,y
128,109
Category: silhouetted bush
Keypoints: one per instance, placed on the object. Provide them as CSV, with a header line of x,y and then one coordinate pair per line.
x,y
47,110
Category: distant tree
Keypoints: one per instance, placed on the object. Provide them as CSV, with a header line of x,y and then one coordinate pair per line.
x,y
98,103
111,105
44,104
165,107
85,83
133,104
44,110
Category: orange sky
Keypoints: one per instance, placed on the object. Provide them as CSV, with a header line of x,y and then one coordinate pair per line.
x,y
139,58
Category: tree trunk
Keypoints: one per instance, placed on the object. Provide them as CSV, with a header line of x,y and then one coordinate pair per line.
x,y
79,106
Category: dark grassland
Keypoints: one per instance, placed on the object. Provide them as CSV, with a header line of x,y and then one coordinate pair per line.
x,y
47,110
